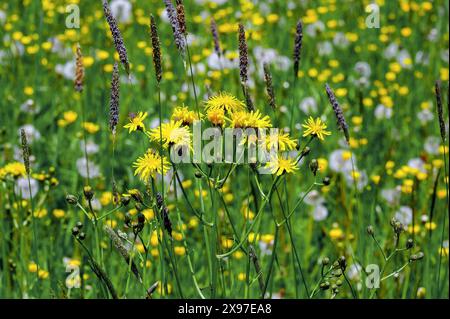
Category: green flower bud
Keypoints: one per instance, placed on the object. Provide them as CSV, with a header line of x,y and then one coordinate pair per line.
x,y
71,199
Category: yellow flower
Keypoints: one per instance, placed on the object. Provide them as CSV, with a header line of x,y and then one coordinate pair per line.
x,y
183,114
136,122
43,274
279,165
253,119
58,213
283,141
28,90
15,169
32,267
173,133
148,213
91,128
179,250
148,165
430,225
315,128
224,101
106,198
70,116
336,233
40,213
216,116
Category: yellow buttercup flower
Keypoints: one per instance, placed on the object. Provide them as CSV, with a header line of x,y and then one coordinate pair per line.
x,y
70,116
224,101
148,165
315,128
136,122
173,133
91,128
279,165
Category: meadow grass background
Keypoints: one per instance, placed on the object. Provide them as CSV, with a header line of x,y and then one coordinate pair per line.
x,y
384,80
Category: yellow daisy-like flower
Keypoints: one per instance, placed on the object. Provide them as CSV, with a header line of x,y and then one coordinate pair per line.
x,y
253,119
216,116
173,134
148,165
15,169
183,114
283,141
315,128
257,120
279,165
224,101
91,128
136,122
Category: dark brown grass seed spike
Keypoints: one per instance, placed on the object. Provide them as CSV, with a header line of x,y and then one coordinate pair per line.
x,y
177,34
269,86
79,70
114,100
215,35
164,214
243,55
338,112
298,46
25,151
156,48
181,16
117,37
120,247
440,111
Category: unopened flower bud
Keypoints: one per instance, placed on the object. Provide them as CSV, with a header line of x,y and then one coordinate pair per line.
x,y
342,262
127,219
71,199
75,231
125,200
370,230
409,243
79,225
141,218
325,261
314,166
325,285
421,292
81,236
88,193
198,174
326,181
